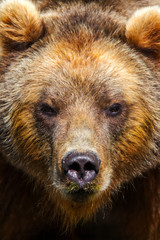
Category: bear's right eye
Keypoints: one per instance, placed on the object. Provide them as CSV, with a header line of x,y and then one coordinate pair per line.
x,y
48,111
114,110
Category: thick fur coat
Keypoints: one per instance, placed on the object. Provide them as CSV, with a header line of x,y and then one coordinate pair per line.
x,y
79,81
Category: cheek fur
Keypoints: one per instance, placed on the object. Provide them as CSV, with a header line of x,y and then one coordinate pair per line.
x,y
29,145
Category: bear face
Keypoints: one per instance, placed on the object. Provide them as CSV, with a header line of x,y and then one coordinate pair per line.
x,y
78,102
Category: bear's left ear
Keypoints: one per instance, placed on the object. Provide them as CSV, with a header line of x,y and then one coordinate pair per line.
x,y
20,25
143,30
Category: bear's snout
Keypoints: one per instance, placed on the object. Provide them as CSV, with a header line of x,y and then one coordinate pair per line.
x,y
81,168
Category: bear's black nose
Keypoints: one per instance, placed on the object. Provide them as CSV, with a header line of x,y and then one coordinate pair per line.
x,y
81,168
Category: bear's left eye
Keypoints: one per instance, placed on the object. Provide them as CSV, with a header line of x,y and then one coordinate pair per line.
x,y
114,110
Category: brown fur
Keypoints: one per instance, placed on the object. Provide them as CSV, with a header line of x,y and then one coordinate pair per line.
x,y
80,58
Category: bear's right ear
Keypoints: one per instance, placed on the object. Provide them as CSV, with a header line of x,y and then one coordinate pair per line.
x,y
143,30
20,25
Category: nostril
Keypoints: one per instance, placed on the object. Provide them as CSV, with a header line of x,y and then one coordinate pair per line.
x,y
74,166
89,166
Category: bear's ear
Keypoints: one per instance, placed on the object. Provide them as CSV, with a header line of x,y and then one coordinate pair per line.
x,y
143,30
20,24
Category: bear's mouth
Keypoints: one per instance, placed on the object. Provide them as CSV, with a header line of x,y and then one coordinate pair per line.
x,y
79,194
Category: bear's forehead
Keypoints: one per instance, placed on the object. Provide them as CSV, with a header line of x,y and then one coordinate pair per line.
x,y
62,71
98,63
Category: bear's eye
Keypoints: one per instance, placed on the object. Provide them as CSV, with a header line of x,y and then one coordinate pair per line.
x,y
114,110
48,110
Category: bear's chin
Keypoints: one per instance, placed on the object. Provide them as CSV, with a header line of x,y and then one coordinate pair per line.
x,y
81,196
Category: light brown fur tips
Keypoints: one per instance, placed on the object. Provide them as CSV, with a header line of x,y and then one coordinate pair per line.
x,y
143,29
20,24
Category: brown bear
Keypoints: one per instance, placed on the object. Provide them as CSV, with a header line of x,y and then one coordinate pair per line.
x,y
79,119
